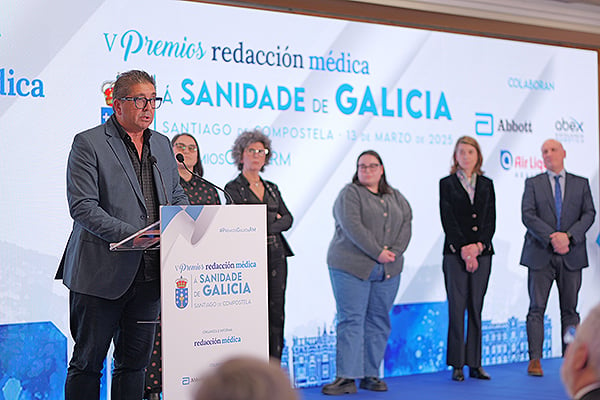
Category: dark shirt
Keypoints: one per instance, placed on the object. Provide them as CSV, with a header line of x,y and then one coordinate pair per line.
x,y
592,392
240,191
150,266
199,193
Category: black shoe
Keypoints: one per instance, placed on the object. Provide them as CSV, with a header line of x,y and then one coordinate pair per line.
x,y
339,386
373,383
457,374
479,373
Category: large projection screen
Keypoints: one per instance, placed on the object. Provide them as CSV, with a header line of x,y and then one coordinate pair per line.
x,y
323,90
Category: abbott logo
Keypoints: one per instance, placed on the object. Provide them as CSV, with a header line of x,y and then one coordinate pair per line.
x,y
506,159
484,124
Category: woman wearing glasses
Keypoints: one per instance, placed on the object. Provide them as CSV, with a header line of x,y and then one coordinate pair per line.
x,y
251,152
365,259
468,212
198,192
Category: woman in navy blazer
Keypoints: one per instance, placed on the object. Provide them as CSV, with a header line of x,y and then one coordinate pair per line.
x,y
468,212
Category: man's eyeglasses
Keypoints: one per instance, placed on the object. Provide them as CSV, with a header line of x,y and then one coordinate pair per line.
x,y
260,152
183,147
141,102
368,167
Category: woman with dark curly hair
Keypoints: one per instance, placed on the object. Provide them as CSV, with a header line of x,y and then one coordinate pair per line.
x,y
251,152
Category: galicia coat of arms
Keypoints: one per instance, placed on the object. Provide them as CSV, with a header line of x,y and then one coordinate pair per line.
x,y
181,293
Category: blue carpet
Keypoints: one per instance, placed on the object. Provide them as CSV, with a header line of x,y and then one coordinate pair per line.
x,y
509,381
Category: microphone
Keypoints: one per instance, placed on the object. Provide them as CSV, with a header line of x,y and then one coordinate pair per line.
x,y
180,158
155,164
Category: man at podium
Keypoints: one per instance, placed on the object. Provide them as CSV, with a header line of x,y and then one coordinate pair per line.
x,y
118,174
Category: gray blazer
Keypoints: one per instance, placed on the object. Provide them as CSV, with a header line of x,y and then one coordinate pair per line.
x,y
539,217
364,224
106,204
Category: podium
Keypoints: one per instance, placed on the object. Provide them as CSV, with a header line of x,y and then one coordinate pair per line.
x,y
147,238
213,288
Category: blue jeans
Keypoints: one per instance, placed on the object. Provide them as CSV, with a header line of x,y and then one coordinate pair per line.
x,y
363,320
95,322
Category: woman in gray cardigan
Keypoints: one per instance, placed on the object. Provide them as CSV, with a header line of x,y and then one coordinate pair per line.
x,y
365,258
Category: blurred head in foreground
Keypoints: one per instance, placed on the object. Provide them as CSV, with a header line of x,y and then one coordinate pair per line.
x,y
580,370
246,378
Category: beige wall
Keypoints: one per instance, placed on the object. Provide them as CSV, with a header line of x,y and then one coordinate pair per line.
x,y
367,10
389,15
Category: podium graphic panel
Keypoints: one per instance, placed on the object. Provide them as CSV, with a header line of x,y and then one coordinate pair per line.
x,y
214,290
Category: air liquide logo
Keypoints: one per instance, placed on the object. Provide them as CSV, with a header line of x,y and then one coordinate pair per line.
x,y
521,165
506,159
13,84
569,129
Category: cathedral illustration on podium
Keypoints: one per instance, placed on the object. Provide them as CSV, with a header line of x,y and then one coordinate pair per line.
x,y
417,345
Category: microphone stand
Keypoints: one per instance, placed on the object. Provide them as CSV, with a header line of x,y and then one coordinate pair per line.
x,y
154,163
179,157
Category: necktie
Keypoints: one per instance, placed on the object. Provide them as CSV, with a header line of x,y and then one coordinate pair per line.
x,y
557,200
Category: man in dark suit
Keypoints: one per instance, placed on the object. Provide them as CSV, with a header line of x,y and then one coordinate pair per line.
x,y
118,174
557,210
580,370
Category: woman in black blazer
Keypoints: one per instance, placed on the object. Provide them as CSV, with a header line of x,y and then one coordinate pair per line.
x,y
251,152
468,212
